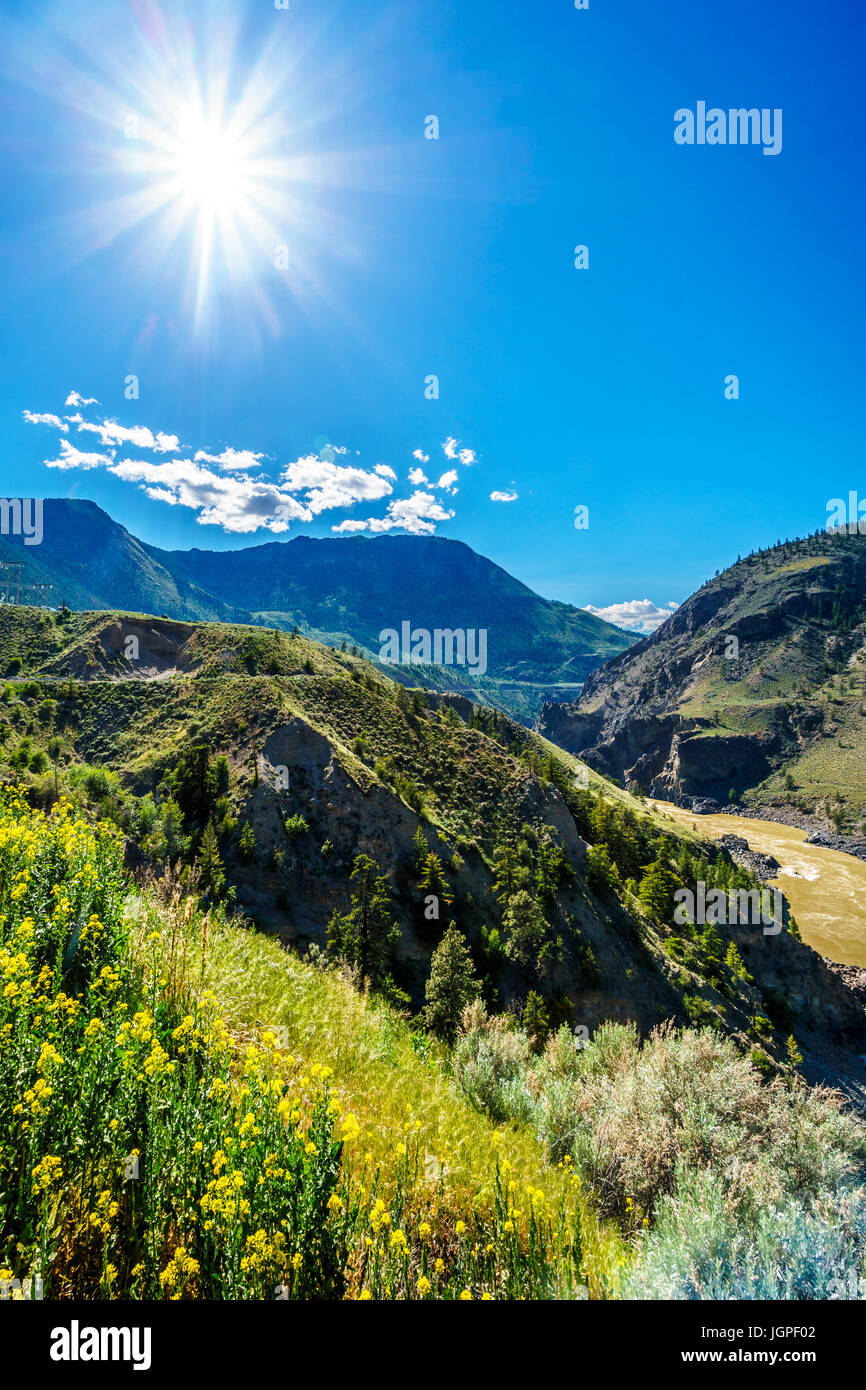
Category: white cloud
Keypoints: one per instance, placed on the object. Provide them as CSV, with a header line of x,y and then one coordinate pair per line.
x,y
230,459
503,496
53,420
238,503
70,457
417,514
420,456
451,449
219,487
635,615
139,436
328,485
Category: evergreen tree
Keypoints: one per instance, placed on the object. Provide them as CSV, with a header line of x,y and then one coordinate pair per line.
x,y
734,961
536,1020
795,1056
193,784
247,843
433,880
452,985
656,892
552,868
714,954
506,871
210,865
166,839
367,936
525,927
602,874
420,848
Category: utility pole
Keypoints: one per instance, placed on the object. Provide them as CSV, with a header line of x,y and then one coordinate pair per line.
x,y
13,583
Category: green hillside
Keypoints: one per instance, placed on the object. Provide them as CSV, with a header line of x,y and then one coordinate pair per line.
x,y
266,766
238,980
755,688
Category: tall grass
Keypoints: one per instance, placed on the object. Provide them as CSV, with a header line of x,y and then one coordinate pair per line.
x,y
419,1144
187,1111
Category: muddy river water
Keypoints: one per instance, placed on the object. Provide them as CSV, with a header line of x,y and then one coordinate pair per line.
x,y
826,889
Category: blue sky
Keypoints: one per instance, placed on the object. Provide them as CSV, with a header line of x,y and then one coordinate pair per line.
x,y
301,385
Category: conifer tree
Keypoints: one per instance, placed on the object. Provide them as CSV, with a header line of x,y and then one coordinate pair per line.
x,y
452,985
247,843
795,1056
505,872
210,865
525,927
656,892
420,848
366,936
433,880
536,1020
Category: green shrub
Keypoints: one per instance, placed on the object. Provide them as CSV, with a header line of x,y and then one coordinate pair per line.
x,y
699,1250
295,825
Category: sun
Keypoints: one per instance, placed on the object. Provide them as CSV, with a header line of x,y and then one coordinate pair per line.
x,y
209,164
214,175
214,172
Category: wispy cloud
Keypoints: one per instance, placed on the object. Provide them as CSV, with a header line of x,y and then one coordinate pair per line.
x,y
635,615
112,434
232,460
503,496
78,402
420,456
70,457
53,420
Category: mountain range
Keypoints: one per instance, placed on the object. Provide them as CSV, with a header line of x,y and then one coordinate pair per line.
x,y
334,590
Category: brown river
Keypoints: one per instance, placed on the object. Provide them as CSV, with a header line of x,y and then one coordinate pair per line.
x,y
826,889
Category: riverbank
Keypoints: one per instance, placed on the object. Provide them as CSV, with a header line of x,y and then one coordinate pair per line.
x,y
825,887
818,832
